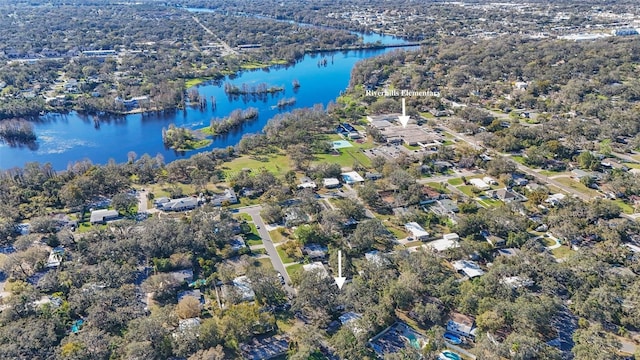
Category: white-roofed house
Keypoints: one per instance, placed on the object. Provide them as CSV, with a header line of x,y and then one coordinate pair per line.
x,y
418,232
480,184
330,183
462,325
352,177
316,266
103,215
181,204
470,268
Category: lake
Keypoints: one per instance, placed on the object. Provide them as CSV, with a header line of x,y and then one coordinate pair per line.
x,y
65,138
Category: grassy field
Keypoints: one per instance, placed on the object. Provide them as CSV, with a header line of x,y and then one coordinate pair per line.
x,y
276,236
263,262
576,185
547,241
292,269
518,159
347,157
455,182
488,202
562,252
396,231
243,216
632,165
253,238
283,256
626,208
466,189
550,173
259,65
277,164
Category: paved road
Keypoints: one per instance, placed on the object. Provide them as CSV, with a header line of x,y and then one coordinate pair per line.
x,y
254,212
142,200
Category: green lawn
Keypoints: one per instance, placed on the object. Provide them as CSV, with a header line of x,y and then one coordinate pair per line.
x,y
86,226
292,269
562,252
549,172
413,244
243,216
518,159
276,236
253,238
347,157
277,164
626,208
415,147
488,202
455,182
632,165
547,241
283,256
399,234
263,262
466,189
577,186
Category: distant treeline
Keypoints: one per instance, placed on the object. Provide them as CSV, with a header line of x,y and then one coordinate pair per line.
x,y
16,131
236,118
246,89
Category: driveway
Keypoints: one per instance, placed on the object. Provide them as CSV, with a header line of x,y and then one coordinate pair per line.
x,y
254,212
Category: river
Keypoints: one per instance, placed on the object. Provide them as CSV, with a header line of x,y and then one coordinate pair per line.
x,y
66,138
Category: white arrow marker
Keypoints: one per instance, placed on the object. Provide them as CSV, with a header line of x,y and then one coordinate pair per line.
x,y
340,280
404,118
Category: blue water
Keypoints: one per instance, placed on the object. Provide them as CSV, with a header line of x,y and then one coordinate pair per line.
x,y
63,139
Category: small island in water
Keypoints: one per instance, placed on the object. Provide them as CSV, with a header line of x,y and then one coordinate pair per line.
x,y
184,139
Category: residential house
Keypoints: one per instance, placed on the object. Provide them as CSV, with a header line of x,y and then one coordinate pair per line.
x,y
520,181
159,202
555,199
448,205
103,215
495,241
56,257
228,197
316,266
579,174
429,195
307,183
372,176
294,216
480,184
265,348
193,293
352,177
507,196
181,204
243,286
237,243
470,268
489,180
448,241
375,258
315,251
461,325
441,166
331,183
396,338
418,232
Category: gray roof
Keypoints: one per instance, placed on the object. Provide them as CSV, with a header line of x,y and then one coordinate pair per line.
x,y
99,215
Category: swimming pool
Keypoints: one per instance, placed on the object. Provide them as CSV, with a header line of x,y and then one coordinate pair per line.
x,y
339,144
